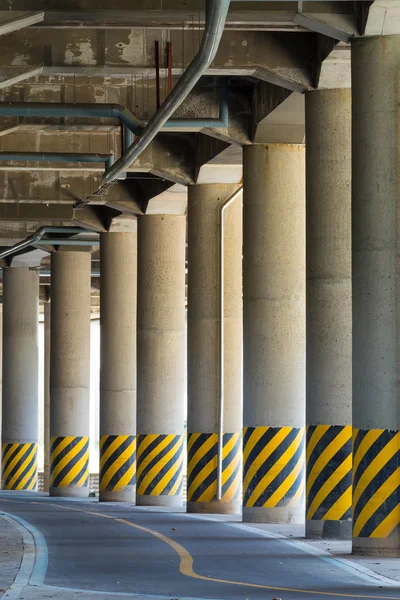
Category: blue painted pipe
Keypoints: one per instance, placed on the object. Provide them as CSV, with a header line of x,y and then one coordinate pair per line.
x,y
108,159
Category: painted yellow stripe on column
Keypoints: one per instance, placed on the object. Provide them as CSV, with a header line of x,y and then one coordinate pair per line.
x,y
297,495
76,469
68,457
111,448
376,465
15,460
265,453
336,511
9,452
126,478
122,458
389,523
255,437
61,446
315,438
385,490
326,456
28,476
191,440
170,473
153,454
285,486
366,443
208,444
156,468
230,469
23,466
179,480
202,476
332,481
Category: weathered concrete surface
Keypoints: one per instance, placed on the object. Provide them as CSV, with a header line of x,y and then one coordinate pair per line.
x,y
118,348
328,240
274,297
376,242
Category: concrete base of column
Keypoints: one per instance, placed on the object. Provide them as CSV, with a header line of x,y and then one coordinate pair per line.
x,y
72,492
167,501
329,530
377,546
121,496
215,507
275,515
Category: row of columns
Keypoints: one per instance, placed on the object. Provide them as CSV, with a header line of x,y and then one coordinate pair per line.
x,y
282,392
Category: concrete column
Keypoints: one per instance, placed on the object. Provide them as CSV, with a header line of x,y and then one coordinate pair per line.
x,y
376,295
328,373
273,332
161,359
204,356
20,428
118,256
1,380
46,396
70,373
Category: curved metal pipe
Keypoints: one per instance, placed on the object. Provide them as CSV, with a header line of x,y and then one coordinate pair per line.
x,y
221,403
217,11
36,237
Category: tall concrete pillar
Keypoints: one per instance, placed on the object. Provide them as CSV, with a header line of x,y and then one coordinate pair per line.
x,y
161,359
376,295
1,379
205,419
273,332
328,372
20,428
46,396
118,256
70,373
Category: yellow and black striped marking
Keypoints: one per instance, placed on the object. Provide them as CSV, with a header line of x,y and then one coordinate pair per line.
x,y
376,482
203,466
19,466
117,462
69,462
273,466
160,465
329,459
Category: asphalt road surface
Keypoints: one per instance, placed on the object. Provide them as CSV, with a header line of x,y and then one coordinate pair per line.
x,y
120,548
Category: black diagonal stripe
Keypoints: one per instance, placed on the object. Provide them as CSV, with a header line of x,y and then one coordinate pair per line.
x,y
361,433
70,465
157,478
107,442
271,460
385,437
20,461
70,446
79,475
247,434
12,455
332,498
156,460
228,483
326,439
232,453
115,455
25,472
264,440
280,478
380,514
203,462
142,454
337,459
204,485
121,472
373,486
197,444
55,444
292,490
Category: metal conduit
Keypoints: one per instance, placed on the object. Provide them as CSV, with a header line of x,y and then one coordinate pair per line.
x,y
216,13
108,159
36,237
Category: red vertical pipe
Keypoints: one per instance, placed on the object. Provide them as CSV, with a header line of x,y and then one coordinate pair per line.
x,y
157,64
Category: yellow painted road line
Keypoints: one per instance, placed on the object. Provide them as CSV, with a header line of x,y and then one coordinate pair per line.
x,y
186,559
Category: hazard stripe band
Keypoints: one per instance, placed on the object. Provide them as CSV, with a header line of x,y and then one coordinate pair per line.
x,y
203,466
19,466
376,482
69,462
329,460
160,465
273,466
117,462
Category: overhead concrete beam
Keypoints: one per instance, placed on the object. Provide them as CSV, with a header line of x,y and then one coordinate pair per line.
x,y
285,124
336,69
89,218
383,18
339,27
14,21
